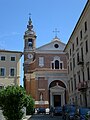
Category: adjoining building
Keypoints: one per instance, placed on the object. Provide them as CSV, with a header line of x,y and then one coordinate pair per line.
x,y
78,63
9,68
45,70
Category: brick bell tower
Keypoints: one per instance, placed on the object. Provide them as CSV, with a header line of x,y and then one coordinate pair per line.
x,y
29,53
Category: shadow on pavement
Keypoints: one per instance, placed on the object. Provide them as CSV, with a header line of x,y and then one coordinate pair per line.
x,y
44,117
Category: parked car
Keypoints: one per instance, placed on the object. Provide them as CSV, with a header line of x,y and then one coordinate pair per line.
x,y
70,111
58,110
83,113
41,110
47,110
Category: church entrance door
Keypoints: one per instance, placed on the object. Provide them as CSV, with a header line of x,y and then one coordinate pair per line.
x,y
57,96
57,100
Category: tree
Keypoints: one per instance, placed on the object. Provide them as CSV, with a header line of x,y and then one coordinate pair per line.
x,y
30,105
12,100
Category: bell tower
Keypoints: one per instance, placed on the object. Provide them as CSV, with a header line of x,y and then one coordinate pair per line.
x,y
29,42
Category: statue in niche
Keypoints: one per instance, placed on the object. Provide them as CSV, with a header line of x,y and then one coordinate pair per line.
x,y
41,96
57,84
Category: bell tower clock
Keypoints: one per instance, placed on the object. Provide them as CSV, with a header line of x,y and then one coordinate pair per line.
x,y
29,43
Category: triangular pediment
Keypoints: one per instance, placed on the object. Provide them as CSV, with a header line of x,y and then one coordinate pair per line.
x,y
58,87
54,45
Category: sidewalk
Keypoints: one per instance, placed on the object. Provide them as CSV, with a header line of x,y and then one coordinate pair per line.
x,y
27,117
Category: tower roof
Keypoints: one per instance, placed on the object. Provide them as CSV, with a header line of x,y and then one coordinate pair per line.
x,y
30,26
30,31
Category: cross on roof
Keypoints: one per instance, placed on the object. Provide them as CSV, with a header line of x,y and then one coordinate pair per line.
x,y
56,31
29,16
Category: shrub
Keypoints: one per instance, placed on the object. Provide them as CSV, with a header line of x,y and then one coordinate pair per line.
x,y
12,100
30,105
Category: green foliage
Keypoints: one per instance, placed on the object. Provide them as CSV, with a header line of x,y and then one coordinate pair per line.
x,y
30,105
12,100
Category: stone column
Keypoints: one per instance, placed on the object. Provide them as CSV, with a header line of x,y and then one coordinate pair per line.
x,y
63,98
51,98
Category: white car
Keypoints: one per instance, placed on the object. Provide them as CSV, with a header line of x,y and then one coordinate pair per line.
x,y
47,110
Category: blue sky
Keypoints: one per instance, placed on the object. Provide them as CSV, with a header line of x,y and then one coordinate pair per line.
x,y
46,16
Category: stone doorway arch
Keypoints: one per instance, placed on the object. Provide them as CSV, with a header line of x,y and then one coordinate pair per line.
x,y
57,93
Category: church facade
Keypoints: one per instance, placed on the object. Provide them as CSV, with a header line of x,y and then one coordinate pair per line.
x,y
45,70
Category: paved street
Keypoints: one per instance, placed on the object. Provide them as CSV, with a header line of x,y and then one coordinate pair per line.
x,y
45,117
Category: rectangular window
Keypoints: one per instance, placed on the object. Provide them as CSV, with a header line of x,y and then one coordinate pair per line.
x,y
60,65
88,74
73,46
12,58
75,82
70,52
85,25
83,75
82,54
79,76
41,61
70,65
77,41
77,57
12,72
86,46
72,84
81,34
73,62
2,71
68,69
2,58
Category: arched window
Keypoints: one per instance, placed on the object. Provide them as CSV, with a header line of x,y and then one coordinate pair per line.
x,y
57,63
30,43
61,65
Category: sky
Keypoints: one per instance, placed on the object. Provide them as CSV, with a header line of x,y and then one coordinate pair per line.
x,y
46,15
